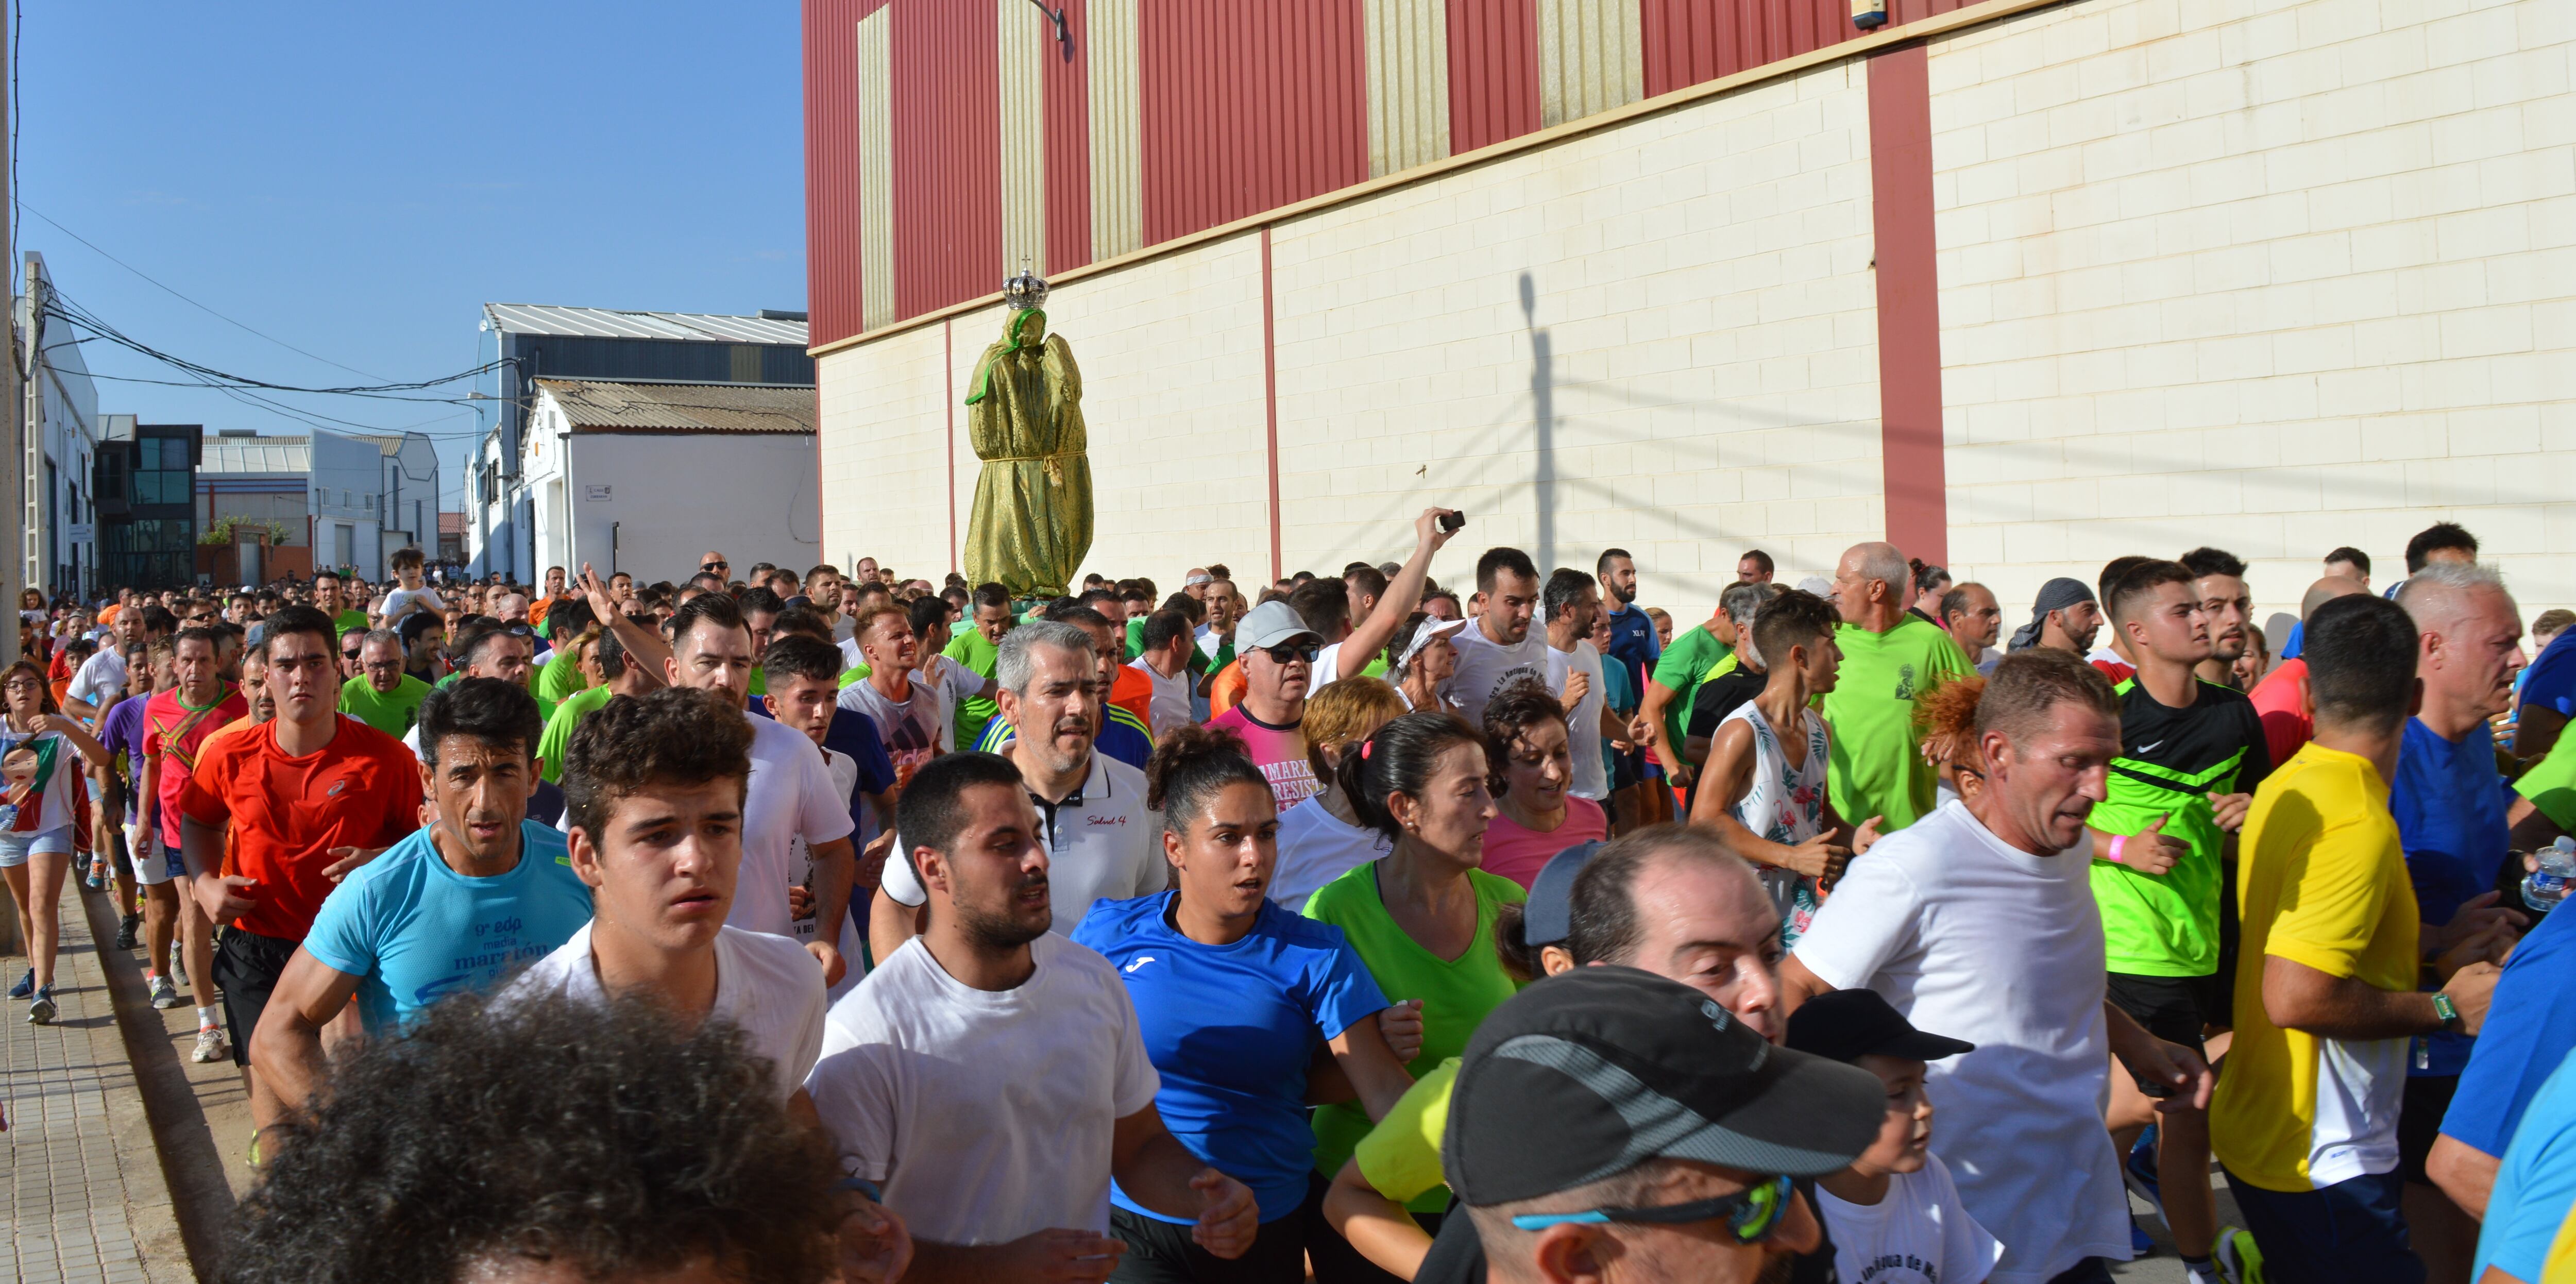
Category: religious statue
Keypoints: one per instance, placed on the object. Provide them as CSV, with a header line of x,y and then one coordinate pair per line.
x,y
1031,524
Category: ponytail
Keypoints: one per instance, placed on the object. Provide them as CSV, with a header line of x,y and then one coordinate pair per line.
x,y
1398,759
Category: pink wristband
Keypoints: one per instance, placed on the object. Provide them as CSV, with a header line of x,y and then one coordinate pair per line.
x,y
2116,844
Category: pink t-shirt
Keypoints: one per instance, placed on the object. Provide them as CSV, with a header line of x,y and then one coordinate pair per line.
x,y
1280,752
1519,854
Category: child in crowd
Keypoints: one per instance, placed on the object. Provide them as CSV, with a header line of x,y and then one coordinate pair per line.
x,y
1894,1215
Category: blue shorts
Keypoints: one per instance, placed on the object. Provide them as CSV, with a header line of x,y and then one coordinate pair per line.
x,y
2352,1232
16,848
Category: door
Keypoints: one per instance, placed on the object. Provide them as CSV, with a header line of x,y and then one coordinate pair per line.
x,y
344,544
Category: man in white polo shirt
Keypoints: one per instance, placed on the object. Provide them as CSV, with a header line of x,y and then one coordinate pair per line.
x,y
1101,841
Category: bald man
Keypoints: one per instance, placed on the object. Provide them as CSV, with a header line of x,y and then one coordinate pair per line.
x,y
1891,659
2281,698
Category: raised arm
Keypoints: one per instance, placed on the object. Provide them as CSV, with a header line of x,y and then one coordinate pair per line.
x,y
1403,593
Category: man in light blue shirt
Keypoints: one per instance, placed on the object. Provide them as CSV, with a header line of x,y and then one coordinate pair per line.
x,y
479,893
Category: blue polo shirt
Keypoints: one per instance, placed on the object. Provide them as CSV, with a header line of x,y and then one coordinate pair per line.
x,y
416,931
2530,1028
2450,804
1232,1030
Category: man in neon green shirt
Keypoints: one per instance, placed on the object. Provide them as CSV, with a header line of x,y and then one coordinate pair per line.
x,y
1664,712
606,658
326,599
979,649
1891,660
382,695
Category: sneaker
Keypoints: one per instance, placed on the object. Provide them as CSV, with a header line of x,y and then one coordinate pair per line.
x,y
2239,1259
2139,1244
2140,1170
178,970
25,987
40,1009
164,994
211,1044
125,931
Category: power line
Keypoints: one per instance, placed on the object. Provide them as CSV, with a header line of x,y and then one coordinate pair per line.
x,y
173,293
56,303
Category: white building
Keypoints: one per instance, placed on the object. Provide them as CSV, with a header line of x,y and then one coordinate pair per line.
x,y
407,493
319,489
62,549
644,476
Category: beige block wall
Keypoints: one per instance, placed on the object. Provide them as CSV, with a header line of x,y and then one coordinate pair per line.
x,y
884,452
2276,276
1700,279
1699,282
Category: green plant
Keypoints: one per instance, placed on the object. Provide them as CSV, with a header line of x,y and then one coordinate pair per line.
x,y
227,530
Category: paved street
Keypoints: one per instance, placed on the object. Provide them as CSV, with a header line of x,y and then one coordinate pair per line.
x,y
85,1198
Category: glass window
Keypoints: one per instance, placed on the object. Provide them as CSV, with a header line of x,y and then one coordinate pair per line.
x,y
174,453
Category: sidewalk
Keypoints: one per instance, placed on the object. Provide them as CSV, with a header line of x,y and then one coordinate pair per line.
x,y
86,1199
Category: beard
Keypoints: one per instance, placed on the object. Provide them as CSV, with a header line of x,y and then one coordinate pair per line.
x,y
1000,930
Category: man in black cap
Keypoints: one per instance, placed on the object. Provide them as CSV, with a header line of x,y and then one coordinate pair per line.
x,y
2066,617
1675,1132
1896,1203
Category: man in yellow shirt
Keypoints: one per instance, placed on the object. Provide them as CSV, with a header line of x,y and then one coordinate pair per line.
x,y
2327,1009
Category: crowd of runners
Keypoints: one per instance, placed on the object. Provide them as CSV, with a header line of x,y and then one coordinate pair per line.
x,y
1421,922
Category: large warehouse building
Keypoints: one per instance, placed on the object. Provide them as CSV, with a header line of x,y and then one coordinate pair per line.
x,y
2020,285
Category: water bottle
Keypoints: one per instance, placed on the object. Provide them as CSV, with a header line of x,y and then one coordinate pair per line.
x,y
2544,887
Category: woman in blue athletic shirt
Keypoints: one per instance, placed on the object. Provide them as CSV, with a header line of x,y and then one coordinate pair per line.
x,y
1237,999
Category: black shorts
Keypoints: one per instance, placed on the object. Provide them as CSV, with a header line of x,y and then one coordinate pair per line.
x,y
1160,1252
247,966
2172,1008
2419,1121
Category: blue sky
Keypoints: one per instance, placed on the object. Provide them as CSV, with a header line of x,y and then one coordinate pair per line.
x,y
357,180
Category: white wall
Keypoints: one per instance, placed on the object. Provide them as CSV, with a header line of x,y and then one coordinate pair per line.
x,y
673,496
1701,281
346,472
2276,276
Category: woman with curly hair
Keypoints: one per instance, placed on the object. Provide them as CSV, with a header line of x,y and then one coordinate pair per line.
x,y
1531,756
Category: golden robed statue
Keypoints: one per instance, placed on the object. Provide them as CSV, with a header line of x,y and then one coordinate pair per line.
x,y
1031,523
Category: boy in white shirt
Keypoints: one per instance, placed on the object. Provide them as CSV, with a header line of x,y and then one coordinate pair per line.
x,y
1894,1215
654,791
413,594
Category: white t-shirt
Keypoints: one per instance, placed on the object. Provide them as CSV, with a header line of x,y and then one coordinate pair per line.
x,y
1485,667
1316,847
764,984
914,732
790,798
957,684
400,602
102,675
1975,939
985,1115
1171,704
1102,844
1583,721
1918,1234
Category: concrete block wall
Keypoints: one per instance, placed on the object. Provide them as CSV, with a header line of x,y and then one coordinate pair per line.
x,y
2278,276
1660,337
884,452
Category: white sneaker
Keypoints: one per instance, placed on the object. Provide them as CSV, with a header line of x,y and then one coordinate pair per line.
x,y
165,994
211,1044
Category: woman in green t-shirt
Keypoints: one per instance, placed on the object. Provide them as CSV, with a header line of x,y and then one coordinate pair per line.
x,y
1421,917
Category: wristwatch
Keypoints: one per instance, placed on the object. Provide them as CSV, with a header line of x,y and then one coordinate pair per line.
x,y
2442,1008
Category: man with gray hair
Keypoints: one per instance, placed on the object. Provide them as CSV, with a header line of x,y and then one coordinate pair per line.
x,y
2450,808
382,695
1737,678
1101,841
1891,660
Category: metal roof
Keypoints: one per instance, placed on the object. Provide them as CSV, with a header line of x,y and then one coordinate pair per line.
x,y
256,455
607,323
593,405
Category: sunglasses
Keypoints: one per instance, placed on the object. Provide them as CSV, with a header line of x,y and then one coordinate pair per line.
x,y
349,655
1750,1215
715,566
1288,651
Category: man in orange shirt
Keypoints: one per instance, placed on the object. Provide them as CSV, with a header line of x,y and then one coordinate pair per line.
x,y
293,806
176,725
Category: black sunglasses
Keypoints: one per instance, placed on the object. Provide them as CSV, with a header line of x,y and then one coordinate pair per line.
x,y
1287,651
717,565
